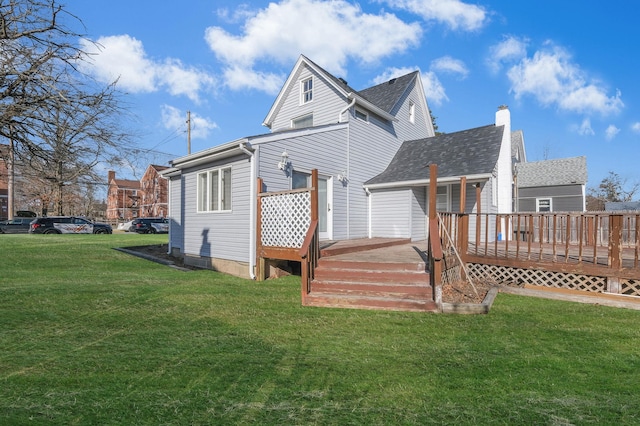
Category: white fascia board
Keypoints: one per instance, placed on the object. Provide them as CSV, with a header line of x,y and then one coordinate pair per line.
x,y
216,153
371,107
425,182
295,133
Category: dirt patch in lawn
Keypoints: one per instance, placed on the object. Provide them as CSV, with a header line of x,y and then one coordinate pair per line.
x,y
464,292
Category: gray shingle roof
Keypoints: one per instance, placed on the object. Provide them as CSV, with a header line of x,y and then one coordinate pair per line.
x,y
386,95
464,153
563,171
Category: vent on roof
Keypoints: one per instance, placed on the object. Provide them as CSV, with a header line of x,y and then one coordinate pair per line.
x,y
393,80
343,80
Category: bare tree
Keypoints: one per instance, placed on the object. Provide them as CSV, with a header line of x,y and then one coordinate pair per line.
x,y
611,188
61,124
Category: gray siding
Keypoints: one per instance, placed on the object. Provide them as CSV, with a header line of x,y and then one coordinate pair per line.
x,y
325,106
222,235
565,198
175,212
324,151
406,130
371,148
419,214
391,213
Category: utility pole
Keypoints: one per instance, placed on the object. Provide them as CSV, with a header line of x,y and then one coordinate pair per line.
x,y
188,132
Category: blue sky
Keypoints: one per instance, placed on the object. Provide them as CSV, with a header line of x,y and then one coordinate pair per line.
x,y
568,70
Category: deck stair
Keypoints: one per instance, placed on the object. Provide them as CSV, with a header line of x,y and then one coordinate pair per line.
x,y
372,274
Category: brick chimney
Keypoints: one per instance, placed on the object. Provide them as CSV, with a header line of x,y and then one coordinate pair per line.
x,y
110,176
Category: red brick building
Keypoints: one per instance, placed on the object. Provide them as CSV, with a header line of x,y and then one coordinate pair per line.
x,y
154,193
123,198
129,199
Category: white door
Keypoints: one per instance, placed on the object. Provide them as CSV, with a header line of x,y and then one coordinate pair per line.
x,y
325,200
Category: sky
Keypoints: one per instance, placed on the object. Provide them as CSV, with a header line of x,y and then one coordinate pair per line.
x,y
568,70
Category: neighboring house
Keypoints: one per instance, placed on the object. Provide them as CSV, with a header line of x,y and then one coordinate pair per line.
x,y
123,198
318,122
551,185
616,206
154,194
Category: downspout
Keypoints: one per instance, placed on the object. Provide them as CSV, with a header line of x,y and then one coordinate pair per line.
x,y
252,211
345,109
353,102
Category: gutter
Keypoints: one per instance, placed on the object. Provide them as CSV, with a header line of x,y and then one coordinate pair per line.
x,y
423,182
252,210
345,109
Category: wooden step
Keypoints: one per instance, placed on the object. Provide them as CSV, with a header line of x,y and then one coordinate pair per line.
x,y
403,286
377,303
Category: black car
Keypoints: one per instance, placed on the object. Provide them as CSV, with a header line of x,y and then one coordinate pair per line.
x,y
18,225
67,225
150,225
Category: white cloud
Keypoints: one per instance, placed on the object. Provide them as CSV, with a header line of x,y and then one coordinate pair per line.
x,y
174,118
553,79
611,132
447,64
584,128
509,50
636,127
329,32
123,57
434,90
454,13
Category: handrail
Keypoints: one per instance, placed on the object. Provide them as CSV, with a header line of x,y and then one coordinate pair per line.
x,y
308,239
435,261
309,255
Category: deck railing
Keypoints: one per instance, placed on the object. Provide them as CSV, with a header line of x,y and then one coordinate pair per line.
x,y
599,240
285,225
309,255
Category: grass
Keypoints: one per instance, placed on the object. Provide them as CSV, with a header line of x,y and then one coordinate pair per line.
x,y
90,335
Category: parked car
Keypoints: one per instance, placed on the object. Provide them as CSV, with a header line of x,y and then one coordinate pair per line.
x,y
19,225
125,226
150,225
67,225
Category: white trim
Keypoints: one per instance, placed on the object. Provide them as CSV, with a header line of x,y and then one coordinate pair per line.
x,y
304,92
538,199
221,201
423,182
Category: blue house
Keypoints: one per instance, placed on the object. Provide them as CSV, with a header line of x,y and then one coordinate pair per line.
x,y
354,139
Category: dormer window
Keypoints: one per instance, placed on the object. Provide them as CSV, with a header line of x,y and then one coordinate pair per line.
x,y
306,90
361,115
412,112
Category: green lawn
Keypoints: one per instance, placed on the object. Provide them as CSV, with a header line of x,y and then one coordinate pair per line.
x,y
90,335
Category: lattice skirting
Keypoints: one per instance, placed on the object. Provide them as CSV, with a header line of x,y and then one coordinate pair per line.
x,y
630,287
508,275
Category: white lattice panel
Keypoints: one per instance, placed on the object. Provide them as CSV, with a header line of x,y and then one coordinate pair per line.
x,y
285,219
508,275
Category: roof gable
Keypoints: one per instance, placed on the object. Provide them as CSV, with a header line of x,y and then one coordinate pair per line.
x,y
563,171
465,153
388,94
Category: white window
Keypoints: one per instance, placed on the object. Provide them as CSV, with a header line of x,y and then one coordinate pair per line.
x,y
544,205
302,122
306,90
442,199
214,190
362,115
412,112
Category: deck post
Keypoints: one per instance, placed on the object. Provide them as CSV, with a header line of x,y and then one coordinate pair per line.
x,y
260,262
463,224
615,252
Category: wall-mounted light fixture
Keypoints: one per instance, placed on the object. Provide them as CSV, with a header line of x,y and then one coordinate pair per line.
x,y
284,162
342,178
